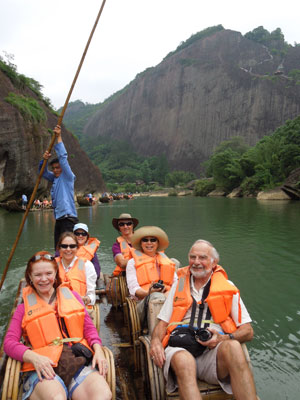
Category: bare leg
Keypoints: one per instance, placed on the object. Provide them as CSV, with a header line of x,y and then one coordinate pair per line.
x,y
48,390
231,361
94,387
184,366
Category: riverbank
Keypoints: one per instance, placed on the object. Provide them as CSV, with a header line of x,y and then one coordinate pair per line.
x,y
273,194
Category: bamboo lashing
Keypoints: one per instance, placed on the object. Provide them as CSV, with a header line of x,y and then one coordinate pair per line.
x,y
59,122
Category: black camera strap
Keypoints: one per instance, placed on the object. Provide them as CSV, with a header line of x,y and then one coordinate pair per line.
x,y
201,309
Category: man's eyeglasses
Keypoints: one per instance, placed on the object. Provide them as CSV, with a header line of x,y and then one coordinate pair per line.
x,y
41,257
152,240
129,223
65,246
80,233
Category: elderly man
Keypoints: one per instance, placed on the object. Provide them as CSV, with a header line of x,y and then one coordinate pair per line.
x,y
224,316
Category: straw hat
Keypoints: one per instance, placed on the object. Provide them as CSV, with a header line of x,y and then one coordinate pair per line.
x,y
145,231
124,216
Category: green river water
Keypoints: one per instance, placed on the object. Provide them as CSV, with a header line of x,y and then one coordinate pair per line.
x,y
259,247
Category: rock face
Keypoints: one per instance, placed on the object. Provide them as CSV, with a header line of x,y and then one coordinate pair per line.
x,y
237,192
216,88
274,194
22,145
292,185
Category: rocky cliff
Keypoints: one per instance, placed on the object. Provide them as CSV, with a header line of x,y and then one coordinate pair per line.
x,y
23,142
218,87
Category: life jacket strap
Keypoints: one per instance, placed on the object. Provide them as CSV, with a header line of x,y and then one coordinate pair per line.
x,y
58,341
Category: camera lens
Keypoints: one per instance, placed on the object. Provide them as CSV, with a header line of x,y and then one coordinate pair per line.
x,y
203,334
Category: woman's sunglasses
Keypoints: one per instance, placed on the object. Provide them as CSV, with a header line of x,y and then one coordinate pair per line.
x,y
129,223
41,257
80,233
152,240
65,246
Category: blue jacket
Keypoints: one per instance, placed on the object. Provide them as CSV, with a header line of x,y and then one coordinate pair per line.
x,y
62,191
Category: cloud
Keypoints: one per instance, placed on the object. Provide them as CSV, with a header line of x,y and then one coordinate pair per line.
x,y
48,38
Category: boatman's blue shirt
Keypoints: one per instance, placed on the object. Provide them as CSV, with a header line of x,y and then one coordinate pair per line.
x,y
62,191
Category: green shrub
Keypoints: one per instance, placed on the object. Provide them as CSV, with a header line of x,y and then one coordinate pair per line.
x,y
28,107
203,187
172,193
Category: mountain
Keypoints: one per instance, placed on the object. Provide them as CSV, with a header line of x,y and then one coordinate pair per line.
x,y
25,121
215,86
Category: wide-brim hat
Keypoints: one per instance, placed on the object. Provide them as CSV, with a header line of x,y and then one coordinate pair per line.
x,y
124,216
145,231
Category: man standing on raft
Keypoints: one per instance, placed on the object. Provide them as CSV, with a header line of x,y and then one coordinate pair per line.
x,y
62,191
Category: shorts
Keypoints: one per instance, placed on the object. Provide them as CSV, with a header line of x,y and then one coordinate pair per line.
x,y
31,380
206,369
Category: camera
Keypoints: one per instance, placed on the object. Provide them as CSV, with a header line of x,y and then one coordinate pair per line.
x,y
203,334
159,285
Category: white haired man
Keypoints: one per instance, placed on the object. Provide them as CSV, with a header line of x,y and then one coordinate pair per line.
x,y
224,315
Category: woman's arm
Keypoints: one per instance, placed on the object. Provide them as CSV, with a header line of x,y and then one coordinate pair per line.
x,y
12,345
99,359
91,278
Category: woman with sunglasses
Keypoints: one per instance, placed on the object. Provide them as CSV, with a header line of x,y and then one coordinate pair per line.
x,y
125,225
149,271
87,246
80,272
50,313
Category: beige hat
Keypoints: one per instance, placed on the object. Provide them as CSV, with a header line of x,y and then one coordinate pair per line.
x,y
163,240
125,216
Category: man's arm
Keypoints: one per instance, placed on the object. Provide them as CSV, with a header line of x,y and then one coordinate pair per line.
x,y
157,352
46,174
62,154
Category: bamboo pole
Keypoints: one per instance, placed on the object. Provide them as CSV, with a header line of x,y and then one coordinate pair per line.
x,y
59,122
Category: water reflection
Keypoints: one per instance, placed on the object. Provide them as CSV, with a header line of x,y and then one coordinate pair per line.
x,y
259,248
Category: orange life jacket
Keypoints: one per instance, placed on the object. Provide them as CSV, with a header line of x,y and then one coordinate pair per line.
x,y
89,249
41,326
126,253
219,300
147,271
75,277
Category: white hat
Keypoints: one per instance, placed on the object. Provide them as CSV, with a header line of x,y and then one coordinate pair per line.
x,y
84,227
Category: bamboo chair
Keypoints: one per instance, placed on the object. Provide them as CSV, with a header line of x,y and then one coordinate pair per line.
x,y
94,313
134,330
154,380
12,384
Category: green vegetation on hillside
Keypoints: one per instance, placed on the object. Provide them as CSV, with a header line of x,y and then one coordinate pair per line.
x,y
28,107
120,164
21,81
77,115
264,166
273,40
197,36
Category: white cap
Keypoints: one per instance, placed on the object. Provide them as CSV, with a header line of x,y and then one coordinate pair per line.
x,y
84,227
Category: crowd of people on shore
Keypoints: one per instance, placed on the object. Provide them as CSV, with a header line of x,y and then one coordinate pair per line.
x,y
201,325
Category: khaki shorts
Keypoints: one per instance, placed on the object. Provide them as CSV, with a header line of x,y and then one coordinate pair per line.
x,y
206,369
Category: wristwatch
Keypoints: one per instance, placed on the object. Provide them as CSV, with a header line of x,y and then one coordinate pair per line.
x,y
231,336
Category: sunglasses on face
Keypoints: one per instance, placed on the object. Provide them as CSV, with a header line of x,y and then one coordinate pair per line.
x,y
129,223
80,233
65,246
152,240
41,257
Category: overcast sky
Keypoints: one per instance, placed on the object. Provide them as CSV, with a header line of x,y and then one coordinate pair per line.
x,y
47,37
